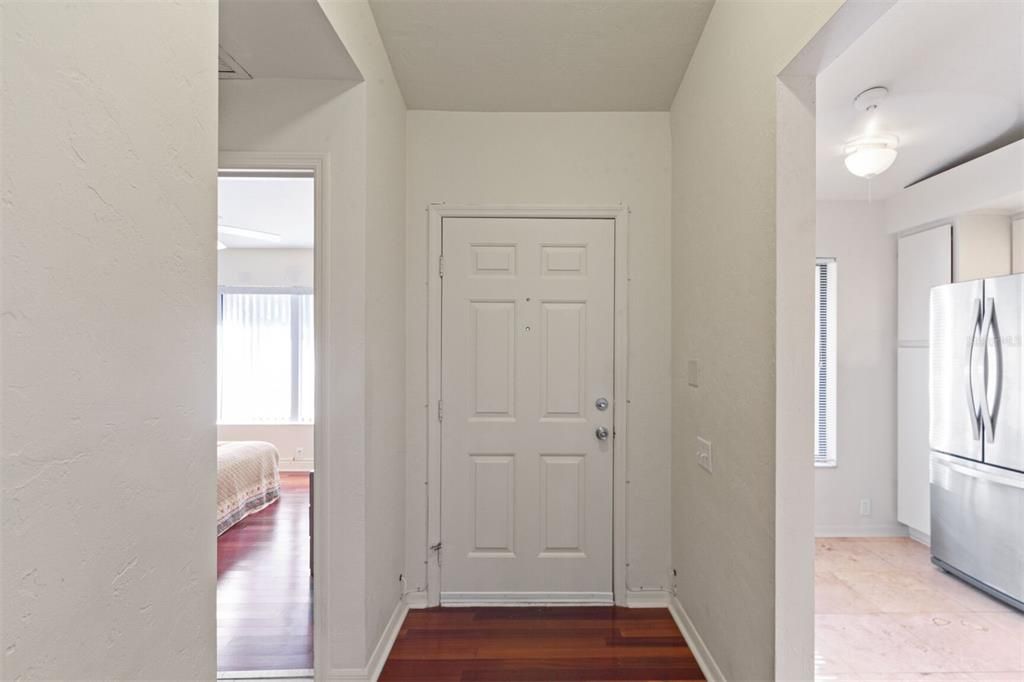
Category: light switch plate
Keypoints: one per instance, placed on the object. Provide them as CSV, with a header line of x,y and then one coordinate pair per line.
x,y
704,453
693,373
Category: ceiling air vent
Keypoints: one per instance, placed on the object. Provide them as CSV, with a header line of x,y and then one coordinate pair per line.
x,y
230,69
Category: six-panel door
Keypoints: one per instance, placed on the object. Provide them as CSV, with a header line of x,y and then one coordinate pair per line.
x,y
527,351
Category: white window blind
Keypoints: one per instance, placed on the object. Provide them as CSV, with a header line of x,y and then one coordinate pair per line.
x,y
265,364
825,363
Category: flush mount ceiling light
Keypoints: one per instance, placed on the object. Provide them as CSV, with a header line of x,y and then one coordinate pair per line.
x,y
873,154
870,155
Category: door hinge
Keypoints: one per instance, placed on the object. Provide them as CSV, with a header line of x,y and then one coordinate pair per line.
x,y
440,410
440,266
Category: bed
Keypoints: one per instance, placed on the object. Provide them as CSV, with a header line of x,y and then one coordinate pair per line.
x,y
248,480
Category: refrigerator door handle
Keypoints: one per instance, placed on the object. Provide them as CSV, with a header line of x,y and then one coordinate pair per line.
x,y
972,404
988,411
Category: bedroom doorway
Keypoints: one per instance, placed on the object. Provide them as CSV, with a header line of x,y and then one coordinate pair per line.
x,y
266,403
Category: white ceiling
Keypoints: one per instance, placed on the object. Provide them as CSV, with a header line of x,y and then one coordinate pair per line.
x,y
955,74
281,206
540,55
284,39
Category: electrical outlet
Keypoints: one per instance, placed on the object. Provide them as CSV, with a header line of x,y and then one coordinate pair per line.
x,y
704,453
298,453
693,373
865,507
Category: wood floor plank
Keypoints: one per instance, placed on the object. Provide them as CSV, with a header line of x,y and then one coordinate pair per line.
x,y
264,588
558,643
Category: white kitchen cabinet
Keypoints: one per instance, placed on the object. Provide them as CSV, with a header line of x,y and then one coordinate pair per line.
x,y
913,493
925,261
971,247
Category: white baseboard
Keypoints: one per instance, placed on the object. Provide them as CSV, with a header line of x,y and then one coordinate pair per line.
x,y
882,530
648,599
295,465
417,600
918,536
705,660
526,599
375,665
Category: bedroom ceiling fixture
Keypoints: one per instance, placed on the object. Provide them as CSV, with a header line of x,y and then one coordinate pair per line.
x,y
870,155
246,233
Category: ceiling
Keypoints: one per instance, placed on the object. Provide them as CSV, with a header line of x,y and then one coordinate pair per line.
x,y
284,39
540,55
955,74
276,205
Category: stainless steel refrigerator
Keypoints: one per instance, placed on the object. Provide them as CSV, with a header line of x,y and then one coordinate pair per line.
x,y
976,431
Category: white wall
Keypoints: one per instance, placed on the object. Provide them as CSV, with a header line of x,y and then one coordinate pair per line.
x,y
362,127
385,312
723,315
265,267
270,268
566,159
853,232
108,468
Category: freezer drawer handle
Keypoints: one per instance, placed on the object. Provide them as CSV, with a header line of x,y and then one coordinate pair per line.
x,y
972,404
988,474
988,412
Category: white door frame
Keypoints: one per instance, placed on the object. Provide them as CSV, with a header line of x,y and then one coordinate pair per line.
x,y
620,215
319,165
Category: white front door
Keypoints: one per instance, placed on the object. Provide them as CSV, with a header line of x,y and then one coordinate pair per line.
x,y
527,352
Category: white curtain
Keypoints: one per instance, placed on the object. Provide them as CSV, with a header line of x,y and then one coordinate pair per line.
x,y
265,358
306,370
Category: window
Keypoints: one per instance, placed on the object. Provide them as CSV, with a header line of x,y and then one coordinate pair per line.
x,y
265,356
825,362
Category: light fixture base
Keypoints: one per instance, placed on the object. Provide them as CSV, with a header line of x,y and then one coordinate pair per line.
x,y
870,98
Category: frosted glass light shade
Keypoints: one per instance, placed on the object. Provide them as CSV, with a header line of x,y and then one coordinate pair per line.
x,y
868,157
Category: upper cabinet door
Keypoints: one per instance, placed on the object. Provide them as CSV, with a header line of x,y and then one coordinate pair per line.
x,y
925,261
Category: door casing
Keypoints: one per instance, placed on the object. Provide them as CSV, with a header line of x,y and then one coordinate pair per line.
x,y
620,215
319,165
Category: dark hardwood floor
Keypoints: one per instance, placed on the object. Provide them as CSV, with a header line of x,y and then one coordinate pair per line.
x,y
264,588
560,643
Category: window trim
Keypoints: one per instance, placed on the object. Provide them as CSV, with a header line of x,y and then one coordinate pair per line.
x,y
830,459
296,334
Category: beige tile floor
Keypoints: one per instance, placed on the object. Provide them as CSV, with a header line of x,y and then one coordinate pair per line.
x,y
883,612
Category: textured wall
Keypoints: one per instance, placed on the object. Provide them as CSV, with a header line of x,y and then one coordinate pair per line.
x,y
723,315
108,473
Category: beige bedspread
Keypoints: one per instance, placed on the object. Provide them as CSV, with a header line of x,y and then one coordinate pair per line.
x,y
248,479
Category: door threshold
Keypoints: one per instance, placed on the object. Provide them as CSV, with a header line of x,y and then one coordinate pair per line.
x,y
299,674
456,599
